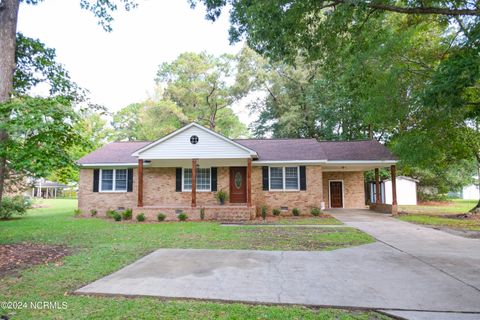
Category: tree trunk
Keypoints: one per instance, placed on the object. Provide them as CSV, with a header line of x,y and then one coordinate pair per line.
x,y
8,32
476,209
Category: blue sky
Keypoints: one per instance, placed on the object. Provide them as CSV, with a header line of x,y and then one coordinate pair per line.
x,y
119,67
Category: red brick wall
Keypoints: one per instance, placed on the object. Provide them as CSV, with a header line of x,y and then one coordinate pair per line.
x,y
353,186
303,200
102,201
159,190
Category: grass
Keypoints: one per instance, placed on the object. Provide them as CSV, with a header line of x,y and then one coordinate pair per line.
x,y
439,215
456,206
102,247
461,224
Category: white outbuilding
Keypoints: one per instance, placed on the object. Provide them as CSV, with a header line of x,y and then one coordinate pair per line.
x,y
406,191
471,192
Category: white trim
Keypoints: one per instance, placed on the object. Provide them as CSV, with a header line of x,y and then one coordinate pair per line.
x,y
96,165
362,161
297,162
330,195
114,177
190,190
193,124
283,179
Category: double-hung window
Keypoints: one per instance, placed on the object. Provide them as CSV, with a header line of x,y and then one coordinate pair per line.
x,y
113,180
284,178
203,181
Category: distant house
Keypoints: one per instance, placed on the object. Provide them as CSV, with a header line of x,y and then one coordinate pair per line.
x,y
471,191
406,191
183,171
47,189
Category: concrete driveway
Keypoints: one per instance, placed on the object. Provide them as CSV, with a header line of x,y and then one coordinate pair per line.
x,y
409,268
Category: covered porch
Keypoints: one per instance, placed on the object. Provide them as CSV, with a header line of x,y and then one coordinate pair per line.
x,y
336,188
191,186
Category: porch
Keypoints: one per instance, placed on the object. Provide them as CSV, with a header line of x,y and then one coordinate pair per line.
x,y
190,186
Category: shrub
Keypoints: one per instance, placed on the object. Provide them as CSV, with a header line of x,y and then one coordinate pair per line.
x,y
315,211
296,212
161,216
202,213
264,212
77,212
93,212
221,196
276,212
16,205
127,214
140,217
117,216
110,213
182,216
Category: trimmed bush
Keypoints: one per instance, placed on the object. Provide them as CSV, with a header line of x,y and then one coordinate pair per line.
x,y
296,212
276,212
117,216
202,213
16,205
140,217
315,211
264,212
182,216
161,216
77,212
93,212
110,213
127,214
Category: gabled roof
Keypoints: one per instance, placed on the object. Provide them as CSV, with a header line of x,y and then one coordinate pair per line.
x,y
196,125
268,150
114,153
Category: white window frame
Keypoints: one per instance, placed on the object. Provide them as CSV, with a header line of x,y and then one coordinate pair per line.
x,y
283,178
113,181
190,190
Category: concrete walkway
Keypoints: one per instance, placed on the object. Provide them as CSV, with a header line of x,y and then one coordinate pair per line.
x,y
407,270
453,255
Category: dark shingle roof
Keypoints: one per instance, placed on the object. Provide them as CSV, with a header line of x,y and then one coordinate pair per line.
x,y
267,150
285,149
356,150
115,152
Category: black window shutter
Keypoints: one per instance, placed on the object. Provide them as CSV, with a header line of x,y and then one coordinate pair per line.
x,y
303,178
265,178
214,179
130,180
178,180
96,179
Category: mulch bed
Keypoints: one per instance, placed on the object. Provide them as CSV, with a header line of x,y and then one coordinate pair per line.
x,y
273,219
14,257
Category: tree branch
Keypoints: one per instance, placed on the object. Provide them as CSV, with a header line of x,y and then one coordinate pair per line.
x,y
409,10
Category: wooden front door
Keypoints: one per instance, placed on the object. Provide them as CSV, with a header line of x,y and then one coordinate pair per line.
x,y
336,194
238,185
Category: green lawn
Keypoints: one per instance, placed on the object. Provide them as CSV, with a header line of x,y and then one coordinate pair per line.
x,y
454,207
102,247
463,224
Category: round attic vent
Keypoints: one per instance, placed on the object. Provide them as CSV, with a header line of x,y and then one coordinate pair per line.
x,y
193,139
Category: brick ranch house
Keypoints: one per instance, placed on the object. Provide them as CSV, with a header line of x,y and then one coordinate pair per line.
x,y
182,171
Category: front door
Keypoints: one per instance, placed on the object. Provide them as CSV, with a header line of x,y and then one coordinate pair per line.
x,y
336,194
238,185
